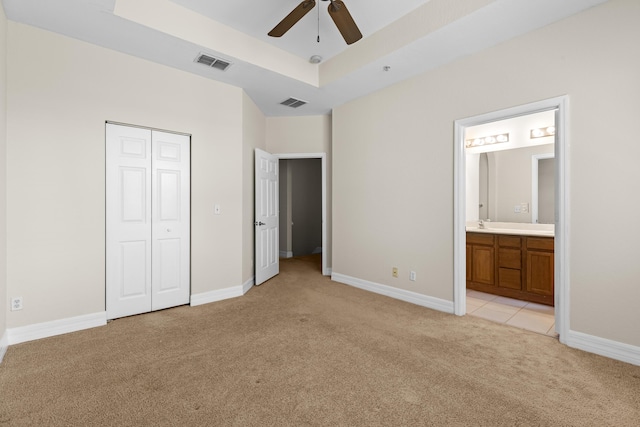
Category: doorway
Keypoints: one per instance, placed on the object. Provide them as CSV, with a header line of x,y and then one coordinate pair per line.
x,y
561,273
266,204
303,238
300,207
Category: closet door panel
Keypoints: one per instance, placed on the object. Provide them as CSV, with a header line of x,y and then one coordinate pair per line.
x,y
170,220
128,221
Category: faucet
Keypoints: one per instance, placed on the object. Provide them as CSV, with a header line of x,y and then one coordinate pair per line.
x,y
481,224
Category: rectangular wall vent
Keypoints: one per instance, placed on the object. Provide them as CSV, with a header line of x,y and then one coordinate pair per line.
x,y
293,103
210,61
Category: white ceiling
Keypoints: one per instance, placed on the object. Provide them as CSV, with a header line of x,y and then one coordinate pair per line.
x,y
410,36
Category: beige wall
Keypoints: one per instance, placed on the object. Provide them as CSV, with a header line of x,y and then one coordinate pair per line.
x,y
307,134
253,137
393,163
3,174
311,134
58,101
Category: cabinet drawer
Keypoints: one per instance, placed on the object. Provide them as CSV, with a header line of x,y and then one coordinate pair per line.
x,y
540,243
510,258
509,241
480,239
508,278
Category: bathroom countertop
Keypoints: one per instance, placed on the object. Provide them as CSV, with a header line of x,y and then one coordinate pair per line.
x,y
517,229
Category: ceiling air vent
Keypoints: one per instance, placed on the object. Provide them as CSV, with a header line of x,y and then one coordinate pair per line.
x,y
212,62
293,103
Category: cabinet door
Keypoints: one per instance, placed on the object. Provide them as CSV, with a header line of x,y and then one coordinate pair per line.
x,y
483,265
469,262
540,272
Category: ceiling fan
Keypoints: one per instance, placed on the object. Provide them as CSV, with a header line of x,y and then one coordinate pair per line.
x,y
338,12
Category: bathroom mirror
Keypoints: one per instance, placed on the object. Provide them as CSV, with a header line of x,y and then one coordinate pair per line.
x,y
512,181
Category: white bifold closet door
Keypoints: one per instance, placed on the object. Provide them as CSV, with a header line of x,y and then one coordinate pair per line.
x,y
147,220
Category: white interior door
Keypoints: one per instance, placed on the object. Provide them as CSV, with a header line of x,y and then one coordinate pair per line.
x,y
170,222
147,220
266,216
128,220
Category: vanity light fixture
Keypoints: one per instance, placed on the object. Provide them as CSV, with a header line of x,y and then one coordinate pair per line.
x,y
487,140
542,132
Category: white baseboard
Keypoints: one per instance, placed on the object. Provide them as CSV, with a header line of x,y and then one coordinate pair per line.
x,y
218,295
4,344
401,294
56,327
286,254
604,347
327,272
246,287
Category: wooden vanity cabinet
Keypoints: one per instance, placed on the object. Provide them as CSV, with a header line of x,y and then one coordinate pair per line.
x,y
518,267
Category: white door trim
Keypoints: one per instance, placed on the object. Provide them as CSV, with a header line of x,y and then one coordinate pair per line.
x,y
534,183
323,157
562,273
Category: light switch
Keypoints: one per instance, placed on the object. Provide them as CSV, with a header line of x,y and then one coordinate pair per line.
x,y
216,209
525,207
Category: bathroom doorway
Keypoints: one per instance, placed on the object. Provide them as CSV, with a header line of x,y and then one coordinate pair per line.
x,y
507,205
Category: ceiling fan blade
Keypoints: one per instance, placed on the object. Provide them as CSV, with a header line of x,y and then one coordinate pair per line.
x,y
345,23
291,19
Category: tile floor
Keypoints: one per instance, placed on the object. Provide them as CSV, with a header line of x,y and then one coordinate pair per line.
x,y
521,314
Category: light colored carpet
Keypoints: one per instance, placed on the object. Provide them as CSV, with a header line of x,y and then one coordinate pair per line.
x,y
302,350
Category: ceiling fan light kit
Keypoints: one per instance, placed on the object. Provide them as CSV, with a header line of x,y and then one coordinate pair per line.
x,y
338,12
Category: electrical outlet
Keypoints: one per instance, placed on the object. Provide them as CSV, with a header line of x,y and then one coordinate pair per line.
x,y
394,272
16,303
517,209
412,276
524,207
216,209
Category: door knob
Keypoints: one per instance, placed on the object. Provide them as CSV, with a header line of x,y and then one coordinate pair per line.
x,y
260,223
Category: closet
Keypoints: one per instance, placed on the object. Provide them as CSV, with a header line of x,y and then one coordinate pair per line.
x,y
147,220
